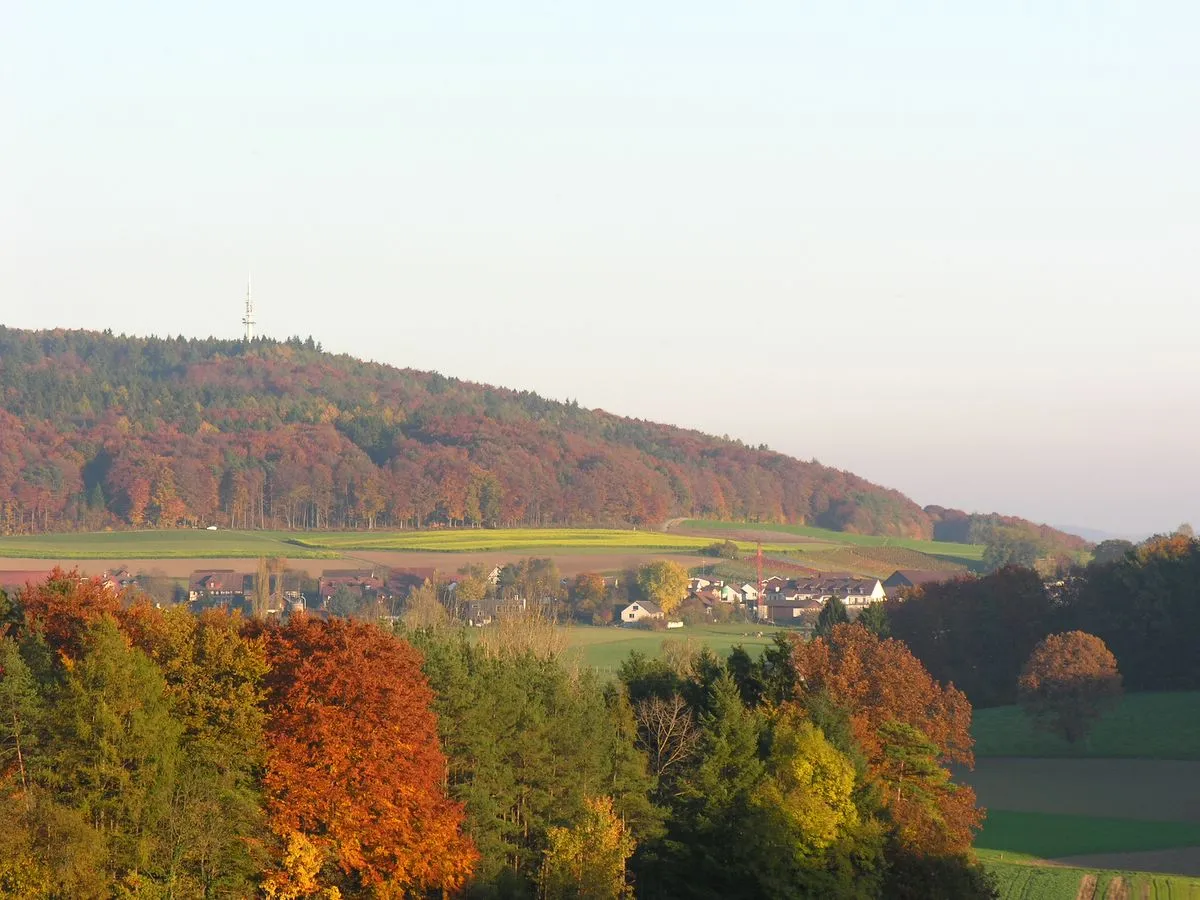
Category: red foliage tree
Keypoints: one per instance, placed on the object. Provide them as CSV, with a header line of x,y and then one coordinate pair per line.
x,y
354,762
887,691
62,606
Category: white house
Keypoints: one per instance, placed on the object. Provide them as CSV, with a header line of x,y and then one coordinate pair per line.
x,y
750,594
730,594
698,584
641,609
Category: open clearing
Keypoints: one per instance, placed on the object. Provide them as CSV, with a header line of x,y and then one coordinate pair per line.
x,y
1145,789
1150,725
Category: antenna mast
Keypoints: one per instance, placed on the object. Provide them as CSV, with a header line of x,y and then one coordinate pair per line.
x,y
248,318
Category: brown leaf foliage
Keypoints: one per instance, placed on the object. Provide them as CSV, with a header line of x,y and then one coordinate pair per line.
x,y
354,762
878,682
1069,682
62,606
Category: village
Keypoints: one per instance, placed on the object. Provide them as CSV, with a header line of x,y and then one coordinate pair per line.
x,y
381,592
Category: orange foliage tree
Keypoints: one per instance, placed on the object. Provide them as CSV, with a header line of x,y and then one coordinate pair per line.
x,y
896,710
354,763
62,606
1069,682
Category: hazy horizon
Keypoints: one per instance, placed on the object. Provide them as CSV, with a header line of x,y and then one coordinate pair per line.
x,y
950,251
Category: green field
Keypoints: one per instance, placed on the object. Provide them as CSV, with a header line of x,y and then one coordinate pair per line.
x,y
964,552
1049,836
604,648
476,540
1019,881
1153,725
178,543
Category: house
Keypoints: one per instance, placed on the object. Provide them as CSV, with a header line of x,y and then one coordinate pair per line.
x,y
790,612
903,579
697,584
750,594
357,581
854,592
218,584
730,594
640,610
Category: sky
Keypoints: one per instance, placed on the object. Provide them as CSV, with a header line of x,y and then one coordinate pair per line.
x,y
950,247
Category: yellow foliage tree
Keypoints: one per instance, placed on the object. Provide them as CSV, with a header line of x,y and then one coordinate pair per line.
x,y
665,583
587,862
812,784
297,878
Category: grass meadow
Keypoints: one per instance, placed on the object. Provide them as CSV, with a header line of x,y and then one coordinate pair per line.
x,y
1150,725
1029,835
177,543
965,552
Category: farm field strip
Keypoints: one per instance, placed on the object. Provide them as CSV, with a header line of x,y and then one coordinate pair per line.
x,y
1148,790
1033,881
479,540
933,548
1052,836
160,544
1145,725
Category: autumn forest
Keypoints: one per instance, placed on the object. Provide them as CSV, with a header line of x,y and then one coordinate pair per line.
x,y
102,431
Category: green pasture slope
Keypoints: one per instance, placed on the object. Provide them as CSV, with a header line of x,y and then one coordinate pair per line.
x,y
964,552
605,648
177,543
1150,725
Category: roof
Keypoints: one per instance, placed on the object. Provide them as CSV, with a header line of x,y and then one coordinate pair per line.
x,y
648,605
914,577
15,579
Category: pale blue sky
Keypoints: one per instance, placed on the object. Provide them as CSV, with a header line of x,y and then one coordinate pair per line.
x,y
951,247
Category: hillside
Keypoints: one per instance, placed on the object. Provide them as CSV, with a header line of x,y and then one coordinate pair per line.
x,y
104,431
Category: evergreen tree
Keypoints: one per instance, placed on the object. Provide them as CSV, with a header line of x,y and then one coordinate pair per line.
x,y
832,613
875,619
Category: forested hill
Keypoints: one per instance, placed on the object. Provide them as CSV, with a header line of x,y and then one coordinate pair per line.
x,y
100,430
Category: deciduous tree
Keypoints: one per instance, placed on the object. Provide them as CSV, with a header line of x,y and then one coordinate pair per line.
x,y
354,763
587,860
1069,682
664,582
878,682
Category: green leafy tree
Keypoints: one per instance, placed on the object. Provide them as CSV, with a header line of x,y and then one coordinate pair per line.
x,y
21,713
114,750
